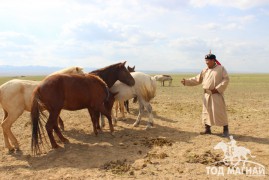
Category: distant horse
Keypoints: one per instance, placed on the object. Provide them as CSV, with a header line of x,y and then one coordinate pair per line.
x,y
163,78
144,89
15,97
69,92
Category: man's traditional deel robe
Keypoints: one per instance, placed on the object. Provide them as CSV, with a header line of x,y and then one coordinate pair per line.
x,y
214,108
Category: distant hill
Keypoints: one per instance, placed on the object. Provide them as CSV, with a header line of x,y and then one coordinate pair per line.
x,y
6,70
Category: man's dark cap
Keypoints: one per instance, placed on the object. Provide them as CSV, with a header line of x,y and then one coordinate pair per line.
x,y
210,56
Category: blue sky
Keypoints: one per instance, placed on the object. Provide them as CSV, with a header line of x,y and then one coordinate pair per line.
x,y
159,35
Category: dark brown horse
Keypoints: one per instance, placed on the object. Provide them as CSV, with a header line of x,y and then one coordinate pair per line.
x,y
112,73
69,92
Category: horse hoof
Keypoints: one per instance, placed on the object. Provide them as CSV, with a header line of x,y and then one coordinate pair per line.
x,y
148,127
17,149
56,146
112,134
136,124
11,151
66,141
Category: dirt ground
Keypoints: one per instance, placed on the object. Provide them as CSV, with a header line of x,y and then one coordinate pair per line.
x,y
172,149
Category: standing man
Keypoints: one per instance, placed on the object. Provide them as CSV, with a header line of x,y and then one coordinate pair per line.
x,y
214,80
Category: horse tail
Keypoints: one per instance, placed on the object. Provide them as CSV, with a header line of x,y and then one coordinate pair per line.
x,y
37,128
108,94
153,88
148,90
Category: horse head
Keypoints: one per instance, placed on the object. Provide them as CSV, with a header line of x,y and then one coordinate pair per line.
x,y
79,70
124,75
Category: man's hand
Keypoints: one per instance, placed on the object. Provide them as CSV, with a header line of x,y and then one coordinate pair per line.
x,y
214,91
183,81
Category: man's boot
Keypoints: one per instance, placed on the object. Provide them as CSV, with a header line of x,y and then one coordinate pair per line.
x,y
225,131
207,130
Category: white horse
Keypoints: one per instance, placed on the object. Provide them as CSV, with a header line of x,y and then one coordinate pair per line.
x,y
15,98
144,89
163,78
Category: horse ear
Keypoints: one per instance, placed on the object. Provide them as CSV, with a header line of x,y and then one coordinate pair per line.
x,y
77,69
123,64
133,67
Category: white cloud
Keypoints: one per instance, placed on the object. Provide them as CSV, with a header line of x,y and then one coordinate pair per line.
x,y
99,32
242,4
159,35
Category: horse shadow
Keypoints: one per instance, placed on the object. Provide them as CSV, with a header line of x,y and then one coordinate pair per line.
x,y
245,138
89,151
156,116
145,116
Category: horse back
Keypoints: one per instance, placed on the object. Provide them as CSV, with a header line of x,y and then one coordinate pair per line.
x,y
73,92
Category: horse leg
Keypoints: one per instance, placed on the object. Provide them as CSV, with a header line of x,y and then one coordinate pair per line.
x,y
116,107
138,119
59,133
6,140
52,121
61,123
113,117
105,112
126,104
149,109
122,109
95,122
102,119
6,125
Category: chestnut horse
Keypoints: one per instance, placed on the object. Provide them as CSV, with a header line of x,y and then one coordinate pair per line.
x,y
69,92
15,98
111,74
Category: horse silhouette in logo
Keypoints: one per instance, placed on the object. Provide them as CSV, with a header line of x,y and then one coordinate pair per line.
x,y
233,153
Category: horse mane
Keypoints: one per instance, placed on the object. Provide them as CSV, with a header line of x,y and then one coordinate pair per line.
x,y
68,70
103,70
94,75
